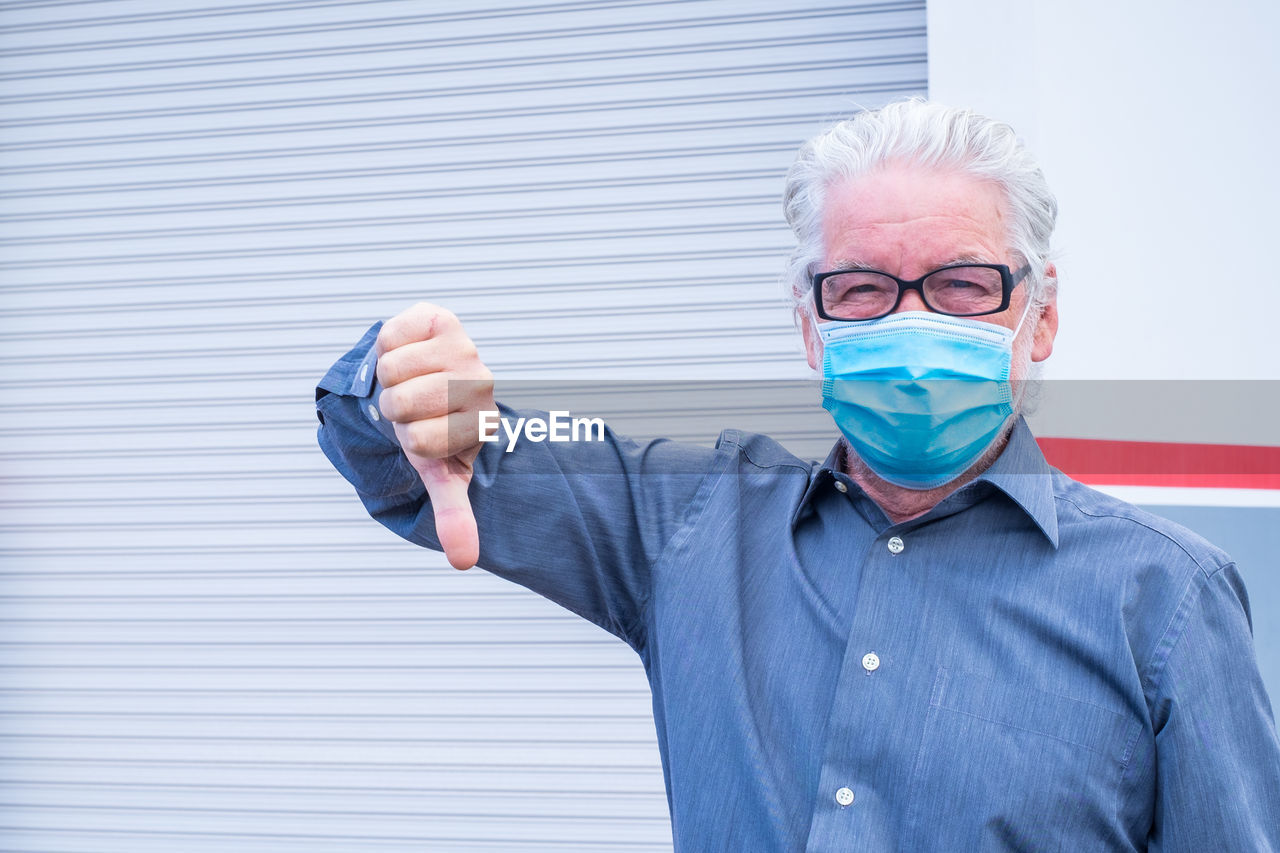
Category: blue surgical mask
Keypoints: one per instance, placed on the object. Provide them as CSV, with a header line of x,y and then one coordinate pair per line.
x,y
919,396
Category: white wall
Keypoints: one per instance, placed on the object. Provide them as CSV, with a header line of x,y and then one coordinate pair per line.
x,y
1155,124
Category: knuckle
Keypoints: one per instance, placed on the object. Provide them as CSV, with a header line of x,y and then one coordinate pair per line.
x,y
422,439
385,341
389,369
389,404
430,319
463,431
413,443
420,322
418,398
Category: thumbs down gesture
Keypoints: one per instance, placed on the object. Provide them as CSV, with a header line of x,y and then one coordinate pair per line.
x,y
434,388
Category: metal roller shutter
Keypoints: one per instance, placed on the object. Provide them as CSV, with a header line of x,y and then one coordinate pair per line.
x,y
206,645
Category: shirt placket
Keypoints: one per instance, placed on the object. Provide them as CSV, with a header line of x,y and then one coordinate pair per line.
x,y
868,715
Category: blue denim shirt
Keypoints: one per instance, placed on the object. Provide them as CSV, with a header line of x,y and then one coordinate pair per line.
x,y
1031,665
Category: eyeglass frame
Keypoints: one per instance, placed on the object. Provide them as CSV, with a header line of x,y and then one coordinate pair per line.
x,y
1008,281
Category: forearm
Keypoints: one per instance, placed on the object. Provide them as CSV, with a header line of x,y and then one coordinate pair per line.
x,y
579,522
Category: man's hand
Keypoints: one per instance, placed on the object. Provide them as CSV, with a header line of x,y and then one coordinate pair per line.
x,y
434,387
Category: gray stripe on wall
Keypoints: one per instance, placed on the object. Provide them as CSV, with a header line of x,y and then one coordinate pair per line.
x,y
206,644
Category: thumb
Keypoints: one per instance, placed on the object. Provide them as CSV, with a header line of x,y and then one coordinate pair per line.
x,y
446,481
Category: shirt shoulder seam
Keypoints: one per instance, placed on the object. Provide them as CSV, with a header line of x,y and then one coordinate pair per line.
x,y
784,463
1208,570
728,448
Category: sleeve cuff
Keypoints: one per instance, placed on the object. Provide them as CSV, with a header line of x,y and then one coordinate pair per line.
x,y
356,375
371,407
366,387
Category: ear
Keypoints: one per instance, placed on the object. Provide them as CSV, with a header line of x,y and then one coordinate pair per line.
x,y
1047,327
812,342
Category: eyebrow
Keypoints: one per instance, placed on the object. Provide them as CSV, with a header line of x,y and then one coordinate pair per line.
x,y
969,259
850,264
856,264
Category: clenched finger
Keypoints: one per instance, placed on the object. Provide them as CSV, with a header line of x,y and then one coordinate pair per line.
x,y
441,437
422,358
422,322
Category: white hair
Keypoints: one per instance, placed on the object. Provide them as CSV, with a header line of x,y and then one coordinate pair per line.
x,y
920,133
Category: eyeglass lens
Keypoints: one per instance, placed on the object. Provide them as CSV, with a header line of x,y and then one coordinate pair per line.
x,y
958,290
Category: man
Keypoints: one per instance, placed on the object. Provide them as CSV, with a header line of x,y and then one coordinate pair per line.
x,y
930,641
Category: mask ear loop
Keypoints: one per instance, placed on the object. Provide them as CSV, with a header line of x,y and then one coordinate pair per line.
x,y
1023,318
811,317
1020,388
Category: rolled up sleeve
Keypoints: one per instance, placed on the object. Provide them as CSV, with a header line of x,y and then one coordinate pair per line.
x,y
579,522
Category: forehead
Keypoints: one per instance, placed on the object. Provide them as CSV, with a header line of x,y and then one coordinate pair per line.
x,y
904,219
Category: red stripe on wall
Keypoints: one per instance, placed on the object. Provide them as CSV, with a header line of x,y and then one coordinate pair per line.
x,y
1154,463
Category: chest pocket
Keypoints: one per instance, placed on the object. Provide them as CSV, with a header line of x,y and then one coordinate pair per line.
x,y
1004,766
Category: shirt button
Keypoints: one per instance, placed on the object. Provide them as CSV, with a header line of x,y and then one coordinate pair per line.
x,y
364,372
373,413
841,487
844,797
870,662
896,545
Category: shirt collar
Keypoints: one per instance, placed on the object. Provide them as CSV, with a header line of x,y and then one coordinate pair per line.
x,y
818,479
1020,471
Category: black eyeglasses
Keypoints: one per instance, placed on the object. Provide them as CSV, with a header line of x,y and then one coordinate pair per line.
x,y
958,290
